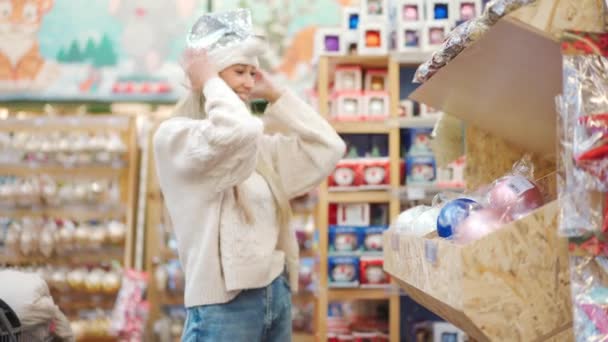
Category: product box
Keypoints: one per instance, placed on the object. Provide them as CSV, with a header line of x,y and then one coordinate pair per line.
x,y
348,174
348,106
353,214
420,169
343,271
330,42
438,332
348,78
419,141
376,105
372,239
371,272
452,176
376,80
376,173
345,240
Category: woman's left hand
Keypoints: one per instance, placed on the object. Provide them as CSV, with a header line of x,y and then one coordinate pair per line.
x,y
265,88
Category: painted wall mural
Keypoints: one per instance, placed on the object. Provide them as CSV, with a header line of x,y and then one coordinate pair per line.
x,y
128,50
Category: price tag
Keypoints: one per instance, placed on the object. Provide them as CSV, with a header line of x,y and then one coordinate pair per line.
x,y
416,193
430,251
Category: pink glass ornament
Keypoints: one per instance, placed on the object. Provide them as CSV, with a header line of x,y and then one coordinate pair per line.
x,y
479,224
516,194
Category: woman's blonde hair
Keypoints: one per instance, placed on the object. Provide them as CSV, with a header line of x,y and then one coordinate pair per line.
x,y
193,106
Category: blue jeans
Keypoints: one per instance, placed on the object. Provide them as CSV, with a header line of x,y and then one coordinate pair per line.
x,y
254,315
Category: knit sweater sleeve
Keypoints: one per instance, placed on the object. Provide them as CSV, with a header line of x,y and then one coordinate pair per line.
x,y
221,149
309,148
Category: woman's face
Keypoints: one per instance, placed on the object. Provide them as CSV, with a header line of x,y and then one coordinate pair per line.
x,y
241,78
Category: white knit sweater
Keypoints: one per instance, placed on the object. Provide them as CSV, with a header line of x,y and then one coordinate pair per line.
x,y
200,161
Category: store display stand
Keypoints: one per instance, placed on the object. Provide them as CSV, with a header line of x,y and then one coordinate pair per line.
x,y
126,175
513,284
391,127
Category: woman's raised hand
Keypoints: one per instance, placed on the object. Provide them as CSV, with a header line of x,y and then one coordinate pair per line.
x,y
265,88
197,67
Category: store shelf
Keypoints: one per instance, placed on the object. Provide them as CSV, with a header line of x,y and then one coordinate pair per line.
x,y
504,84
359,197
85,171
367,127
303,297
80,214
100,256
171,299
425,192
303,337
417,121
309,253
366,61
511,285
86,304
411,58
67,123
346,294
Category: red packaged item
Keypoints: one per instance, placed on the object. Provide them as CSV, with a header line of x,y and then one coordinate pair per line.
x,y
372,273
376,172
365,336
348,174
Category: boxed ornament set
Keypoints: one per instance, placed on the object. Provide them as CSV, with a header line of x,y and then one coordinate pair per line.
x,y
360,94
366,165
357,321
355,240
377,27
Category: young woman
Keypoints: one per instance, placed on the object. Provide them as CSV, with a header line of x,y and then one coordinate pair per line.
x,y
227,187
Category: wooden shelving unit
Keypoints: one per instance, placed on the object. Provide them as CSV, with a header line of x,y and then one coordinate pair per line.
x,y
326,197
360,294
369,127
30,170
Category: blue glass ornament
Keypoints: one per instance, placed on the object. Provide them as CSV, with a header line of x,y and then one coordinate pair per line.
x,y
452,214
441,11
353,21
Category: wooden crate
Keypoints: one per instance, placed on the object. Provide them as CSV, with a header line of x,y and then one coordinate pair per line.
x,y
512,285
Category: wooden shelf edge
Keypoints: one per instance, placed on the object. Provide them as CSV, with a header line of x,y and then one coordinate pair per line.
x,y
363,60
86,171
365,127
340,294
418,121
79,214
360,197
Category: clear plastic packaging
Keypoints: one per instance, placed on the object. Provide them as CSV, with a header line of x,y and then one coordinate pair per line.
x,y
589,284
480,213
583,133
